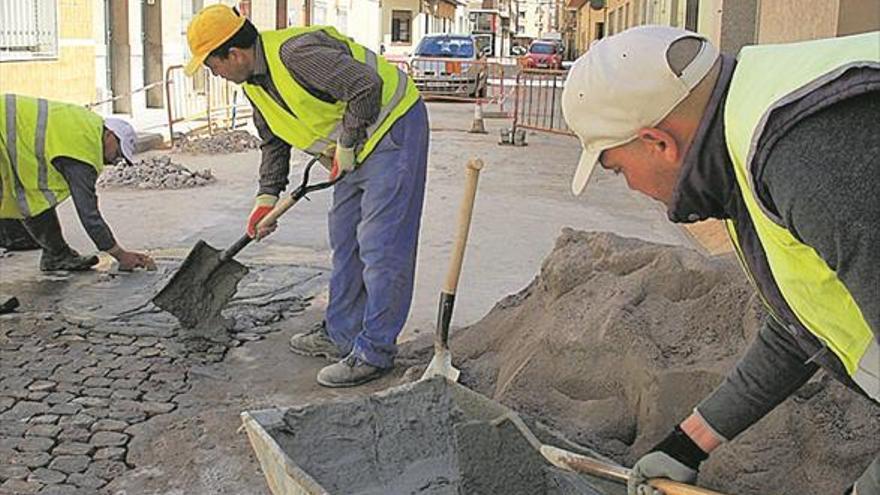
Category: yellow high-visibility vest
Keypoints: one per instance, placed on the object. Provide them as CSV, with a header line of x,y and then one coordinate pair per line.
x,y
314,125
34,132
817,297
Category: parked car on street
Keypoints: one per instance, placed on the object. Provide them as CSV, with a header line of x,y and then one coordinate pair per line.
x,y
544,55
450,65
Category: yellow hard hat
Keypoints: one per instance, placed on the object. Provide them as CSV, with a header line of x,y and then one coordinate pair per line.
x,y
210,28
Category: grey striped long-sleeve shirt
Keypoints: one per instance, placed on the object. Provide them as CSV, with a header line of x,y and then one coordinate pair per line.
x,y
81,178
324,67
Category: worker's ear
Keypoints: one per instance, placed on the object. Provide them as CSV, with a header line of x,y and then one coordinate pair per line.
x,y
659,144
238,55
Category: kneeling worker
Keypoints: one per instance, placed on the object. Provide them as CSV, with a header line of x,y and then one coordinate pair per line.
x,y
51,150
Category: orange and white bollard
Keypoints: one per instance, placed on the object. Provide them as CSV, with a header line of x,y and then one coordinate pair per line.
x,y
478,127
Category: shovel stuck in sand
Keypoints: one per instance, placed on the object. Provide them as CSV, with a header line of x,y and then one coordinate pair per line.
x,y
209,277
441,363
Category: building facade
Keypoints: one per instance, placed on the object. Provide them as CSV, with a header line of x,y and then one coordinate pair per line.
x,y
730,24
91,51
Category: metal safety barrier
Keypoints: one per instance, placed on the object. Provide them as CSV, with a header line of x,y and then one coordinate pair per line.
x,y
203,99
538,101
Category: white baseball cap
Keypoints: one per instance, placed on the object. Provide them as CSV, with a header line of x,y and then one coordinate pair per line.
x,y
126,135
624,83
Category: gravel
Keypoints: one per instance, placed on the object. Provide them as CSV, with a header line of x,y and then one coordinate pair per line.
x,y
157,172
220,143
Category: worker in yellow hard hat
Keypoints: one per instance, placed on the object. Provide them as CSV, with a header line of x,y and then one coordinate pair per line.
x,y
317,90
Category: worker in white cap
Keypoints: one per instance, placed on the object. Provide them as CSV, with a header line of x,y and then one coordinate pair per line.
x,y
51,150
782,144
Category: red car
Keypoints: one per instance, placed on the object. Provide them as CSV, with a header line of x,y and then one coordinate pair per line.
x,y
544,55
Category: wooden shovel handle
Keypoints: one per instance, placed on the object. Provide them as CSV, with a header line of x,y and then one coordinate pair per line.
x,y
588,465
465,212
281,207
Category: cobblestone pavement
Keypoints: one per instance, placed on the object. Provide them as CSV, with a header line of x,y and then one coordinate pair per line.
x,y
76,378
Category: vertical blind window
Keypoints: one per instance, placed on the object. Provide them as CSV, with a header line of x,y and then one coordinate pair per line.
x,y
28,29
401,22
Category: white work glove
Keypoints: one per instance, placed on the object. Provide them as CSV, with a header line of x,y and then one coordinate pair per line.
x,y
657,465
343,161
677,458
326,159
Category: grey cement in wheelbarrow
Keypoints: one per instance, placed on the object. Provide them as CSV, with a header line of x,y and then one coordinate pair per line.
x,y
430,437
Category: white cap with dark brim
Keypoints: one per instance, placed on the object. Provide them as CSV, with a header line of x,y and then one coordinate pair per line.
x,y
624,83
126,135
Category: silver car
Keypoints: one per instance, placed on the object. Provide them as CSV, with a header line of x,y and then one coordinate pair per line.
x,y
449,65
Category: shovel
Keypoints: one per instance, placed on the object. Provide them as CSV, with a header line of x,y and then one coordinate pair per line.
x,y
441,363
578,463
209,277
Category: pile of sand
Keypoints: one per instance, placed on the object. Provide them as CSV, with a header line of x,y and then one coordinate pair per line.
x,y
617,339
158,172
218,143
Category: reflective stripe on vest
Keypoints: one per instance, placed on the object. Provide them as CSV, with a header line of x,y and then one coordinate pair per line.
x,y
312,124
36,132
817,297
12,152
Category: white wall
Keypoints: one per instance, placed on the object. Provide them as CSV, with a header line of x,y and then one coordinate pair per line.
x,y
174,46
365,23
709,21
102,60
418,26
136,44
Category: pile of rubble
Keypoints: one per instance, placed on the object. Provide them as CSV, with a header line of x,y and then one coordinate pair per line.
x,y
219,143
157,172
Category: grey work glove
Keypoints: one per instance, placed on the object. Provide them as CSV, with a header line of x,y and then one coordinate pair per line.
x,y
677,458
657,465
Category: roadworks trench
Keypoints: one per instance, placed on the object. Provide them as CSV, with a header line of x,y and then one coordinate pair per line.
x,y
613,342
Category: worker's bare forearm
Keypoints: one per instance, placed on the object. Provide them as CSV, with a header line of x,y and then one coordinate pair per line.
x,y
773,367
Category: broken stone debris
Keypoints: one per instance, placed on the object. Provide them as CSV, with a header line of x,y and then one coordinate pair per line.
x,y
218,143
157,172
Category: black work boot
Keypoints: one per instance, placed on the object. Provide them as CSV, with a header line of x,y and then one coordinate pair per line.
x,y
69,261
350,372
315,343
57,255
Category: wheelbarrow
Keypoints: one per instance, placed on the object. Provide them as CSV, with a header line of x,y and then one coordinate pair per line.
x,y
432,436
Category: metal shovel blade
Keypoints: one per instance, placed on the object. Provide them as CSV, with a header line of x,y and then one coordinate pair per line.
x,y
441,365
201,287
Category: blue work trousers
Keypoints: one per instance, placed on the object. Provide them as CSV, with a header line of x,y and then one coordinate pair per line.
x,y
374,233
